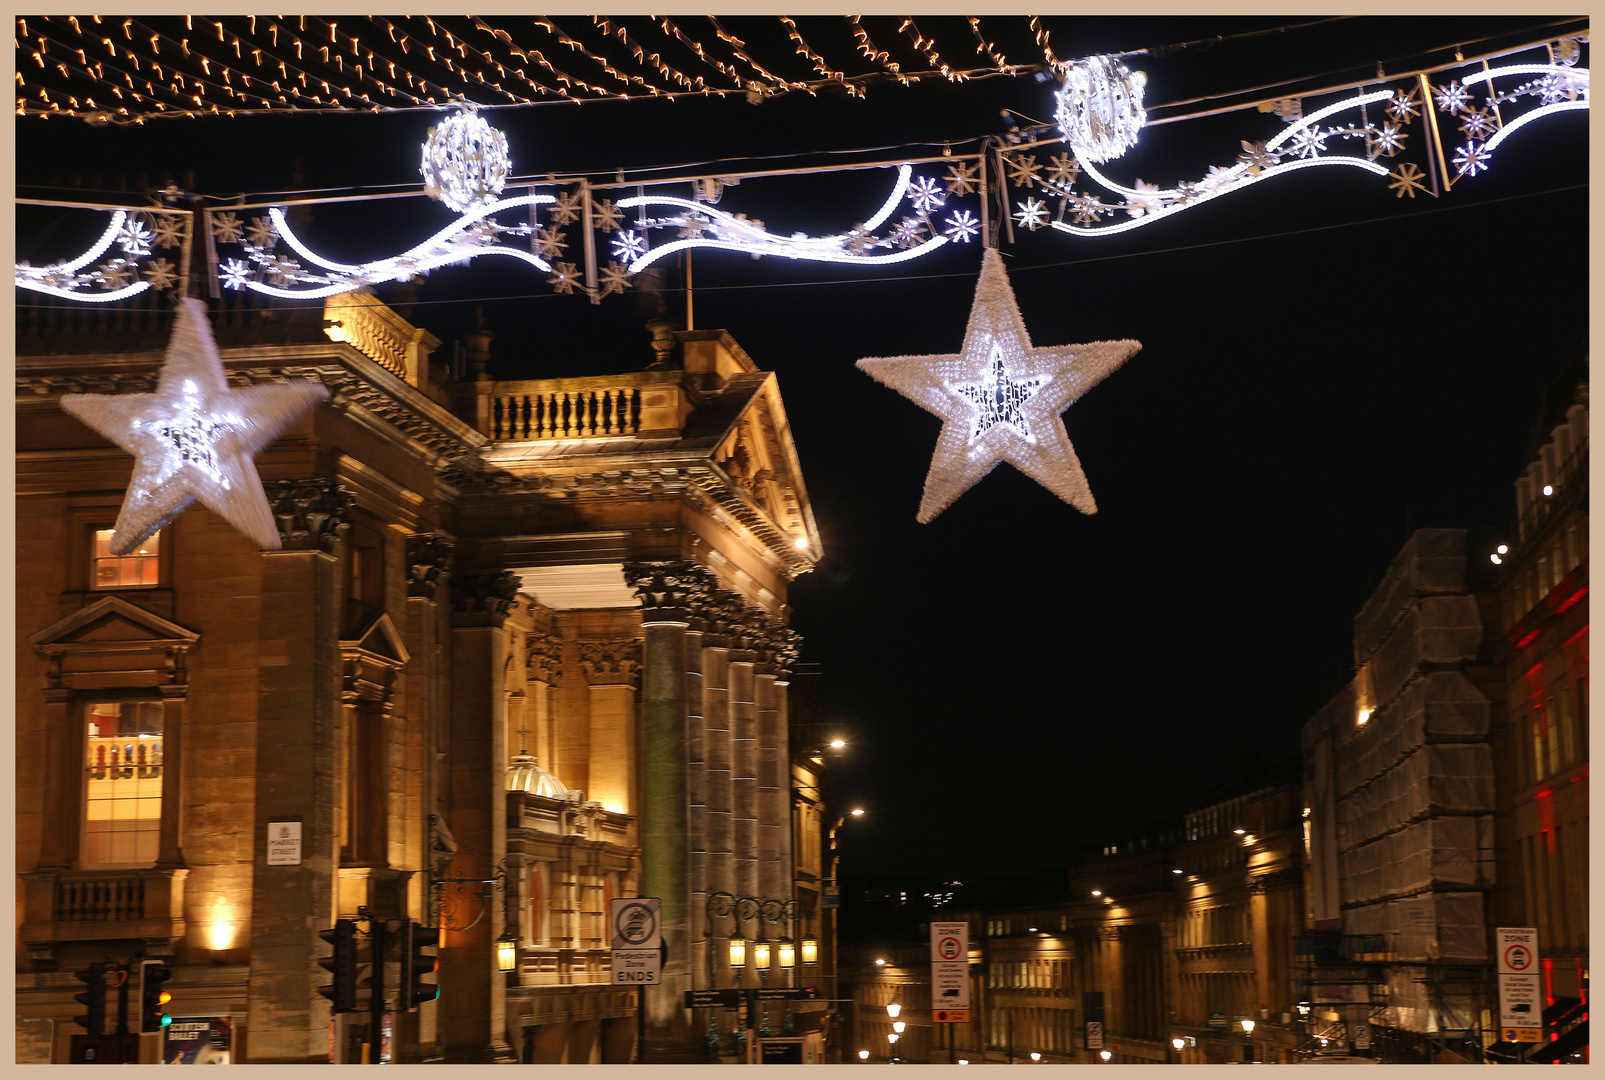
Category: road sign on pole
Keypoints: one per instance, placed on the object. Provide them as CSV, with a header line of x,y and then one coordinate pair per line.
x,y
1520,1007
637,941
950,971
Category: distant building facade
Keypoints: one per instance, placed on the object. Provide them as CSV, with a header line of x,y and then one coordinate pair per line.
x,y
1168,944
523,652
1541,753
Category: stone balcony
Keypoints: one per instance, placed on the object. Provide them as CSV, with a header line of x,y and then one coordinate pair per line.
x,y
89,905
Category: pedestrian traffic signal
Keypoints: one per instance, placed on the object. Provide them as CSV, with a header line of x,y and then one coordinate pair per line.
x,y
415,964
342,963
93,999
152,998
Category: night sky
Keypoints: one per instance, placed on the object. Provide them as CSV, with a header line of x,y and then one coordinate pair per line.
x,y
1324,368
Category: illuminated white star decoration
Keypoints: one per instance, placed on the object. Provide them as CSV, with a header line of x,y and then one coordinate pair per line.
x,y
195,439
1000,398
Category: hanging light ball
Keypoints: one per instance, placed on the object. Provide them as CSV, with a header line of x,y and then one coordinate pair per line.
x,y
1100,108
465,161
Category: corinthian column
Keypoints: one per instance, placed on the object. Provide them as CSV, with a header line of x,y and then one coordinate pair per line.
x,y
667,591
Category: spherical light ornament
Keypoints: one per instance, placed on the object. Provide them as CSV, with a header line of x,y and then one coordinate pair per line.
x,y
465,162
1100,108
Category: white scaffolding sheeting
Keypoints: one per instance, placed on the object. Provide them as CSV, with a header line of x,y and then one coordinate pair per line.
x,y
1441,707
1433,561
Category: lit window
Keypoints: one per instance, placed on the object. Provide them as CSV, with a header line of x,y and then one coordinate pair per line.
x,y
123,784
138,567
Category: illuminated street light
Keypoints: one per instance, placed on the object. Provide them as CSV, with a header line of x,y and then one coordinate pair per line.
x,y
863,1055
1178,1043
1248,1027
898,1026
893,1037
894,1008
760,955
837,744
1035,1056
1106,1055
738,953
879,962
857,813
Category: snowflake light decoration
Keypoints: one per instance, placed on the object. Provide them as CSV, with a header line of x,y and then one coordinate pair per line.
x,y
962,227
169,230
1100,108
1033,214
194,439
226,227
961,178
1471,159
999,398
926,194
629,245
71,279
1407,180
465,161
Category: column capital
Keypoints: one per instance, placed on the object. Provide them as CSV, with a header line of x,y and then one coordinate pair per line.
x,y
543,657
611,663
483,598
669,588
310,513
427,554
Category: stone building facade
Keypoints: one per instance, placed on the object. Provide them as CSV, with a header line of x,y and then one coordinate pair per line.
x,y
523,651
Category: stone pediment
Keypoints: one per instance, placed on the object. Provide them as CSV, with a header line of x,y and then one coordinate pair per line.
x,y
757,454
379,640
112,623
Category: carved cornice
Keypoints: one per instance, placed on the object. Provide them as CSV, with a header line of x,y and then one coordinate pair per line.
x,y
611,663
543,658
484,598
310,514
427,554
725,493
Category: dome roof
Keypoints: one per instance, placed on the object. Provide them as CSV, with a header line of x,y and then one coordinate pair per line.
x,y
523,774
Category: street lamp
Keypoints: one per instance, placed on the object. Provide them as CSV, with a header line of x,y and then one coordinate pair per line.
x,y
863,1055
893,1009
1248,1028
1105,1055
1178,1043
898,1026
738,952
506,952
810,949
787,953
1035,1056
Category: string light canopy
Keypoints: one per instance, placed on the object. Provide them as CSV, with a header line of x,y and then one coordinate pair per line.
x,y
195,439
1028,178
1000,399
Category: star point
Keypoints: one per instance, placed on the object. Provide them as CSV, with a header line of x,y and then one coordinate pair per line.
x,y
999,398
194,439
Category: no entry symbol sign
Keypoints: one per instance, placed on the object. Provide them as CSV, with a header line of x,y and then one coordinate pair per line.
x,y
949,948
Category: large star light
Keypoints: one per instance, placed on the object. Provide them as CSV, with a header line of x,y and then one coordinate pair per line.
x,y
1000,398
194,439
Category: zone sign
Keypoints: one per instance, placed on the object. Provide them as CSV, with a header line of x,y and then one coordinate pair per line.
x,y
1516,948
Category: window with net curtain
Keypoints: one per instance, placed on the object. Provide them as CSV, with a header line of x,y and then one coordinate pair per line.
x,y
123,784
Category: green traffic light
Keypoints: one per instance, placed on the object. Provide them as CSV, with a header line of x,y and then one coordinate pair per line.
x,y
166,1020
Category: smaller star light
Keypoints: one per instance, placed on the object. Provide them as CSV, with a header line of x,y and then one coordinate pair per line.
x,y
194,439
1451,97
226,228
629,245
465,162
1471,159
999,398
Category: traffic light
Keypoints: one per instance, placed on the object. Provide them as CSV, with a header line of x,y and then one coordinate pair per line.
x,y
152,998
414,964
93,999
342,963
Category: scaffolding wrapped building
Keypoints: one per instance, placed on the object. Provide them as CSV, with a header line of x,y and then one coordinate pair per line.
x,y
1399,782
